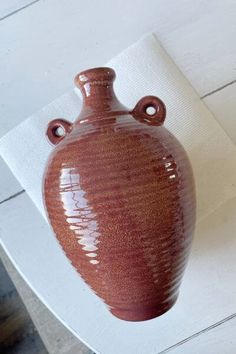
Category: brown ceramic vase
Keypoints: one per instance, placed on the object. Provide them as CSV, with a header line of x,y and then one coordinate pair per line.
x,y
119,194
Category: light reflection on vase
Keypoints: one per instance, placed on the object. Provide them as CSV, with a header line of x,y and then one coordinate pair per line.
x,y
79,215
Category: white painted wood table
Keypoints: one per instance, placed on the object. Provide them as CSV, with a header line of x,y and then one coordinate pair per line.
x,y
43,44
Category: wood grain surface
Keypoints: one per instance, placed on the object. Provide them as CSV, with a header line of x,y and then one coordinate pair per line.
x,y
17,332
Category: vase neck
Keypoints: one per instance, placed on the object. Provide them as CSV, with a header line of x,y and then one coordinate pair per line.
x,y
96,86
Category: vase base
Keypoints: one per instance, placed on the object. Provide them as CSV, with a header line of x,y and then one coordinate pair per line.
x,y
143,314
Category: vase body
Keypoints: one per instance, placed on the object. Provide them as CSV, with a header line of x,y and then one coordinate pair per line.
x,y
119,194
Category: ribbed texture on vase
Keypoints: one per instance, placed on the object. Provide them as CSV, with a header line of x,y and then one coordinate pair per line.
x,y
120,198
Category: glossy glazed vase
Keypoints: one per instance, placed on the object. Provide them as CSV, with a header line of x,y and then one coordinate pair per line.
x,y
119,194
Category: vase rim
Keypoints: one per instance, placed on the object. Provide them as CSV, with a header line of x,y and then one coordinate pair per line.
x,y
98,74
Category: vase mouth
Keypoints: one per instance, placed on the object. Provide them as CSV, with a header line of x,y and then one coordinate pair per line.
x,y
100,75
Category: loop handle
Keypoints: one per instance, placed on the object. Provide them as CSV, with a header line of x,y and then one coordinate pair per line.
x,y
140,111
53,130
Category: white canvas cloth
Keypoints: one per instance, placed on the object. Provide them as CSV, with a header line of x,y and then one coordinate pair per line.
x,y
142,69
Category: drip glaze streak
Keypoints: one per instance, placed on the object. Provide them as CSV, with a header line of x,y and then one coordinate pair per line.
x,y
120,197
